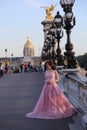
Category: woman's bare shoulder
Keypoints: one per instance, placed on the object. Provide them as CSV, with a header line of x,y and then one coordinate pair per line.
x,y
56,71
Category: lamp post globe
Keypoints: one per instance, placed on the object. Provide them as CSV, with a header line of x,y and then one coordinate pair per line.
x,y
67,4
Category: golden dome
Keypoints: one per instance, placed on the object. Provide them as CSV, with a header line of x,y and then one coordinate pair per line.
x,y
28,48
28,44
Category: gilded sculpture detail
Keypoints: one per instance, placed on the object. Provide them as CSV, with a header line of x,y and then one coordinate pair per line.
x,y
49,11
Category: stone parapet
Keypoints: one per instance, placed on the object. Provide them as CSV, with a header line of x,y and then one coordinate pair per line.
x,y
75,88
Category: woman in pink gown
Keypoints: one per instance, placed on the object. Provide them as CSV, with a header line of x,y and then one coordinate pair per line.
x,y
52,103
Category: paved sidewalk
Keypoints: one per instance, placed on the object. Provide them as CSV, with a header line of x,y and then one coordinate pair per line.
x,y
18,95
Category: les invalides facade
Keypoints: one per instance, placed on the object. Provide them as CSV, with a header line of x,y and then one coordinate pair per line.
x,y
28,56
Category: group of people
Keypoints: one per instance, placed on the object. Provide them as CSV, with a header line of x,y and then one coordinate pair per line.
x,y
52,103
3,69
26,67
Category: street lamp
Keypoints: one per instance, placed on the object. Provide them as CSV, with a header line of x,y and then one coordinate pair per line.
x,y
53,42
49,56
67,4
6,61
12,55
68,24
43,54
46,55
6,52
58,22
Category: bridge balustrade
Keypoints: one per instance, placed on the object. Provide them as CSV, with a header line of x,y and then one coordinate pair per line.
x,y
75,88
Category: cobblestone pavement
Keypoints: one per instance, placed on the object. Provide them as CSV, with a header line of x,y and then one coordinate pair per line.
x,y
18,95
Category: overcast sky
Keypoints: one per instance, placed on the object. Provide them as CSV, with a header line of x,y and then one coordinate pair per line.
x,y
22,18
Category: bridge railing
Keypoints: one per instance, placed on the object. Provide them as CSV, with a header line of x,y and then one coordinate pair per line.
x,y
75,88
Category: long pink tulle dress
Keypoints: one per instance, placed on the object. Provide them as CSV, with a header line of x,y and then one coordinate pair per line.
x,y
52,103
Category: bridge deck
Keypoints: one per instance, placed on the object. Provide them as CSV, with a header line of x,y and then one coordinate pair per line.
x,y
18,95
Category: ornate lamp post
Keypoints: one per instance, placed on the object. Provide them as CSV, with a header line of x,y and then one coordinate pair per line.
x,y
49,57
46,55
12,55
42,55
6,61
53,42
58,22
6,52
44,51
68,24
12,58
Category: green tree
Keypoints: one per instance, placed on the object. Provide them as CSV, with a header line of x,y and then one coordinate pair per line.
x,y
82,60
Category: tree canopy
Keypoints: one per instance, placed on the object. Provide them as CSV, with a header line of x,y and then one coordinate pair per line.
x,y
82,59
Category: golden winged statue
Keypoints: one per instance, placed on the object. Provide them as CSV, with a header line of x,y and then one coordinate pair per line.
x,y
49,11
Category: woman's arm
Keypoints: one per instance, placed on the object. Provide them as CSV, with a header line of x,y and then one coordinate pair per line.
x,y
56,76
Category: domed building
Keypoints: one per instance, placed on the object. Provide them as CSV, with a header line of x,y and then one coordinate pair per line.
x,y
28,56
28,51
28,48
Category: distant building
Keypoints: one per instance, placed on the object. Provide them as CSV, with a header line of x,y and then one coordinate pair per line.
x,y
28,56
28,49
28,52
